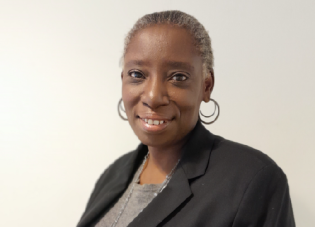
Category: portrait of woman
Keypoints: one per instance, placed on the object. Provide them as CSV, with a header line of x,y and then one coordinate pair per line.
x,y
157,113
181,174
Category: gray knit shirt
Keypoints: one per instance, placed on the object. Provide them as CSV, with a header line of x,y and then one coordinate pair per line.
x,y
141,196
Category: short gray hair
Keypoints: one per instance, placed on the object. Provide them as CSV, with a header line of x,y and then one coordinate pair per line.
x,y
181,19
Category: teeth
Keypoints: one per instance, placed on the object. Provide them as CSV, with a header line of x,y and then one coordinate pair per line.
x,y
153,122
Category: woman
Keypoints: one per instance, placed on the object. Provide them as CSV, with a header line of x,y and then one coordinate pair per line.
x,y
181,174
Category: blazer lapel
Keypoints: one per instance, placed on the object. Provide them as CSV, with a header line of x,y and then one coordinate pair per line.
x,y
176,192
112,191
193,164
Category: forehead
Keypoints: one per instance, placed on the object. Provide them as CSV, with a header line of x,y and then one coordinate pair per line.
x,y
163,43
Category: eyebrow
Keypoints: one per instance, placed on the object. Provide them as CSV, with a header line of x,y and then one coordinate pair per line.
x,y
173,64
179,64
136,62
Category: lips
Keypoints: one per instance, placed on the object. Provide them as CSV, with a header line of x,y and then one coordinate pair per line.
x,y
153,123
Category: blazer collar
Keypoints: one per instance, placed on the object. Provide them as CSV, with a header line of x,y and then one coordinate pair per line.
x,y
197,151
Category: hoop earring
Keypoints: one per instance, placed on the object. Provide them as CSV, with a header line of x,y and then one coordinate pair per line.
x,y
121,108
216,105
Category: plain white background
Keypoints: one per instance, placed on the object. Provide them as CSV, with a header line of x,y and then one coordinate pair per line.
x,y
60,84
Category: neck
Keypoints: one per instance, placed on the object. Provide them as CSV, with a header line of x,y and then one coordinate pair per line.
x,y
160,163
164,158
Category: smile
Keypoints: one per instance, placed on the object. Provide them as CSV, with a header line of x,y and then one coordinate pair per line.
x,y
153,122
153,125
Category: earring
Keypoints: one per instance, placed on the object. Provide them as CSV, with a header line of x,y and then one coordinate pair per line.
x,y
216,105
121,108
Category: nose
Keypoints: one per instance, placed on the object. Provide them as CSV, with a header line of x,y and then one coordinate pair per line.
x,y
155,93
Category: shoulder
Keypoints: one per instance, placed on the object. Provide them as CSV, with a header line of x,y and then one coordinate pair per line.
x,y
239,153
242,161
112,174
256,185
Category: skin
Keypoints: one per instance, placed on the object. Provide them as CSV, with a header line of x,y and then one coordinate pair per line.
x,y
162,79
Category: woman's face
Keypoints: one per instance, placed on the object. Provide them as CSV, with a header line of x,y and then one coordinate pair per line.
x,y
163,85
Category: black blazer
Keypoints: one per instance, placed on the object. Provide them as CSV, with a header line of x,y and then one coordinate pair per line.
x,y
218,183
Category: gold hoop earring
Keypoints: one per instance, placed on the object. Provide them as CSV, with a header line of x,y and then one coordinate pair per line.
x,y
216,106
121,108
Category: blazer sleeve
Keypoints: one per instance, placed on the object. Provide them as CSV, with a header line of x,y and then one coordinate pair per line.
x,y
266,201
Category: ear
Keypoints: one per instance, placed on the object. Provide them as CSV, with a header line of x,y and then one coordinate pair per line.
x,y
208,87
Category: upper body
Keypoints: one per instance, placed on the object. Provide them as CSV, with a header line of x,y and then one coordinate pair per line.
x,y
207,180
217,183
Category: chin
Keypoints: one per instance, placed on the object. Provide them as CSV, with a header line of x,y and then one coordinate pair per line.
x,y
159,140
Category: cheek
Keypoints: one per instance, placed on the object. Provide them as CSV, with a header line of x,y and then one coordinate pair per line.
x,y
130,97
188,103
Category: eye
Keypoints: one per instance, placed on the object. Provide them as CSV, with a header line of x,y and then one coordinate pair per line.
x,y
136,74
179,77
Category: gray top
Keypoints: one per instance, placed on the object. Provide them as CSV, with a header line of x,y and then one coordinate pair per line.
x,y
141,196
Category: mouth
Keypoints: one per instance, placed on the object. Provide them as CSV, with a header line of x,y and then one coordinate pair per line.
x,y
153,121
154,124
